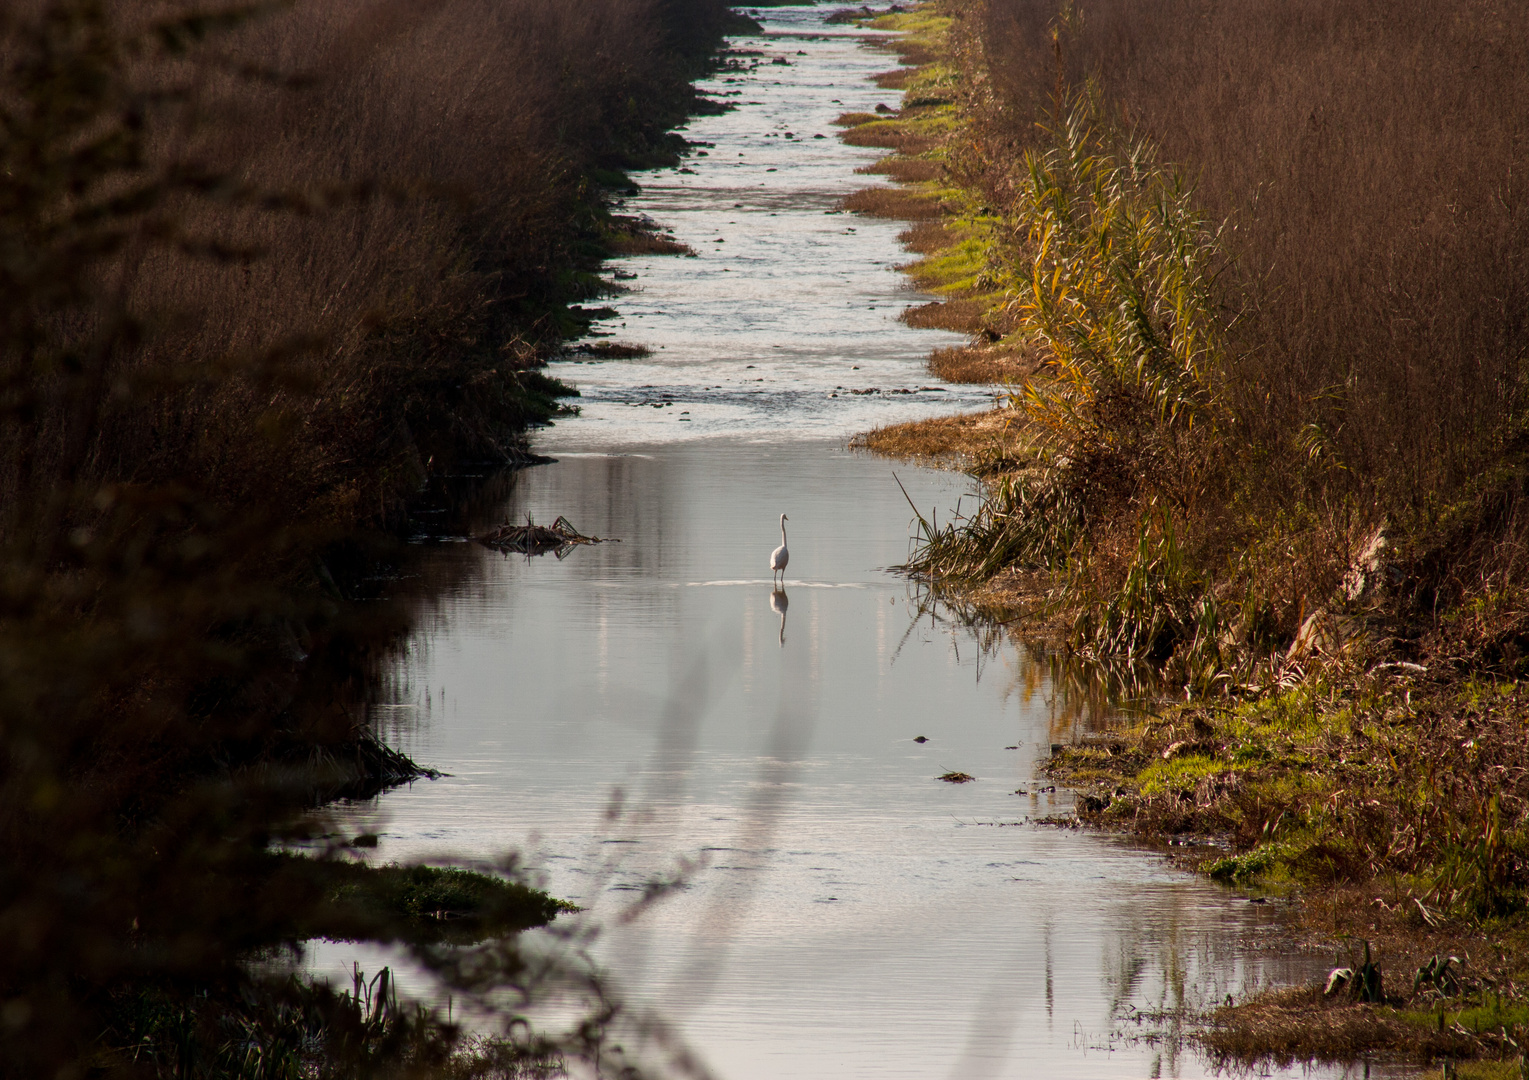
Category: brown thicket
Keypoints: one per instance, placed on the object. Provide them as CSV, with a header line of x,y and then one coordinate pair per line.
x,y
1317,213
1369,161
261,272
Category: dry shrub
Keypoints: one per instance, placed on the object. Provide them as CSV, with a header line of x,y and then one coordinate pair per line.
x,y
443,145
1344,182
911,52
893,80
885,202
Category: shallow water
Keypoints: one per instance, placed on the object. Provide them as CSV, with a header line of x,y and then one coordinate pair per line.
x,y
847,914
784,325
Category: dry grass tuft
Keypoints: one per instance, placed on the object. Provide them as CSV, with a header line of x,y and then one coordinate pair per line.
x,y
926,237
906,170
897,203
1284,1026
980,442
961,316
984,364
629,236
890,137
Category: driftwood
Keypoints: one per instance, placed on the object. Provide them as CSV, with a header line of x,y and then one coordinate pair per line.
x,y
534,539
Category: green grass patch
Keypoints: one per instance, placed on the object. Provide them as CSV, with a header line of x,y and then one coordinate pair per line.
x,y
1181,774
920,23
1493,1015
420,903
1479,1070
1253,864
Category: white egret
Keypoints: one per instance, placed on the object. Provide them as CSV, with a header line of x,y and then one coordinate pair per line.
x,y
780,556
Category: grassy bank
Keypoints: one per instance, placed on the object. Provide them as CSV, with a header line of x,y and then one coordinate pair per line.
x,y
267,272
1256,276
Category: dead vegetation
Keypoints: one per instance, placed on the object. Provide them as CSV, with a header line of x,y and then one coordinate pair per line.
x,y
905,170
1208,431
1394,805
961,316
533,539
996,364
612,350
1300,1024
980,443
926,237
892,203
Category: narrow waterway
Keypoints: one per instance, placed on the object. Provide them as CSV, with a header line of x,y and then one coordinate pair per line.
x,y
845,913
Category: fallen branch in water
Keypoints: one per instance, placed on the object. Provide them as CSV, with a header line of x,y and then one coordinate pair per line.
x,y
534,539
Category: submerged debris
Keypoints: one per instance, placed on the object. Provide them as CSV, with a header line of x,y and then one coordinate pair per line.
x,y
534,539
958,778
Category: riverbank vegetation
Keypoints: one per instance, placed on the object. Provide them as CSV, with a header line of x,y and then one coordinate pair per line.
x,y
267,270
1265,264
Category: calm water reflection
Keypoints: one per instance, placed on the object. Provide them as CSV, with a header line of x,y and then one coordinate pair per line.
x,y
844,912
849,914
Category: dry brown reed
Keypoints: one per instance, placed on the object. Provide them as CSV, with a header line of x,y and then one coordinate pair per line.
x,y
889,136
1368,161
1347,229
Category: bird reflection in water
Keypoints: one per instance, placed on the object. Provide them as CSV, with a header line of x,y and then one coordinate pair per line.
x,y
779,604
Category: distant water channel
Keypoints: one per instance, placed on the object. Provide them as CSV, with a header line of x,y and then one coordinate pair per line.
x,y
851,915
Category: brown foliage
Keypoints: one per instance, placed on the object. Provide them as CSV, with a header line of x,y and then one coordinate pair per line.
x,y
889,137
1368,159
1300,1024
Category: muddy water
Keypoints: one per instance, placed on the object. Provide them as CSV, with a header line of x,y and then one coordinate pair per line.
x,y
845,913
